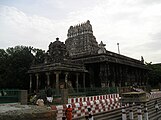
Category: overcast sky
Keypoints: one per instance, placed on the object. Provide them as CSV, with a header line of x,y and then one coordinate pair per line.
x,y
134,24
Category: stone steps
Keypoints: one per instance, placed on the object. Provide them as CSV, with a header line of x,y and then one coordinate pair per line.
x,y
113,114
116,114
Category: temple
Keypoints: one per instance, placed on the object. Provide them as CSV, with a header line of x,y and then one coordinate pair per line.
x,y
81,62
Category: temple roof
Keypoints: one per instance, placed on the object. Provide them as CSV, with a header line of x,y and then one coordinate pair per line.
x,y
80,47
109,57
66,67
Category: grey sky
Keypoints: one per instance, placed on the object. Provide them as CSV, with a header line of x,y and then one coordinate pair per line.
x,y
135,24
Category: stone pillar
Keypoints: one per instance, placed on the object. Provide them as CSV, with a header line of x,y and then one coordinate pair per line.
x,y
139,79
30,83
77,76
118,75
91,77
124,117
106,75
121,75
37,82
146,79
66,79
139,112
146,112
57,82
114,76
48,78
131,115
84,86
125,74
101,74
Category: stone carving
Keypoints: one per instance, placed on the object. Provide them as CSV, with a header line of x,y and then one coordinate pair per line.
x,y
80,29
57,51
102,48
142,59
81,40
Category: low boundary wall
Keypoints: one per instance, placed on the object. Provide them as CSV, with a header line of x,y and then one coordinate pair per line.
x,y
154,95
97,104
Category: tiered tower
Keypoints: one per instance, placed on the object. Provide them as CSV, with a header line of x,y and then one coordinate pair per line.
x,y
57,51
81,40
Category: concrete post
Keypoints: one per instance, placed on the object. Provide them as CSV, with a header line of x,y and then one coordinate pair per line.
x,y
124,117
146,112
139,112
131,114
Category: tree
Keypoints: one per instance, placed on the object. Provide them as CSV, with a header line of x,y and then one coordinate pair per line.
x,y
39,56
19,61
3,59
14,64
154,74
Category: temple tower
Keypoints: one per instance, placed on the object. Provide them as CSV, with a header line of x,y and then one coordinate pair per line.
x,y
57,51
81,40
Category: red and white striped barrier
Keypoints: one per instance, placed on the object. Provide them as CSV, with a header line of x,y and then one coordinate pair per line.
x,y
96,105
92,98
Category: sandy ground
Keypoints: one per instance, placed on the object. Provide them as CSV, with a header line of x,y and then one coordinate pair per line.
x,y
20,109
12,106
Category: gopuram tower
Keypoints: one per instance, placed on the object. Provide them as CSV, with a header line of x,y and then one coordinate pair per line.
x,y
81,40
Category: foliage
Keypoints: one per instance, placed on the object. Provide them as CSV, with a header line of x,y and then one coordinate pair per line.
x,y
3,59
14,64
39,56
154,74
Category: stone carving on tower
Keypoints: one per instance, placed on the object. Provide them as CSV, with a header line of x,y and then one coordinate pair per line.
x,y
57,51
102,48
81,40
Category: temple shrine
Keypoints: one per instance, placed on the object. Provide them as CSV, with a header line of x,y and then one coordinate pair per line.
x,y
81,62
